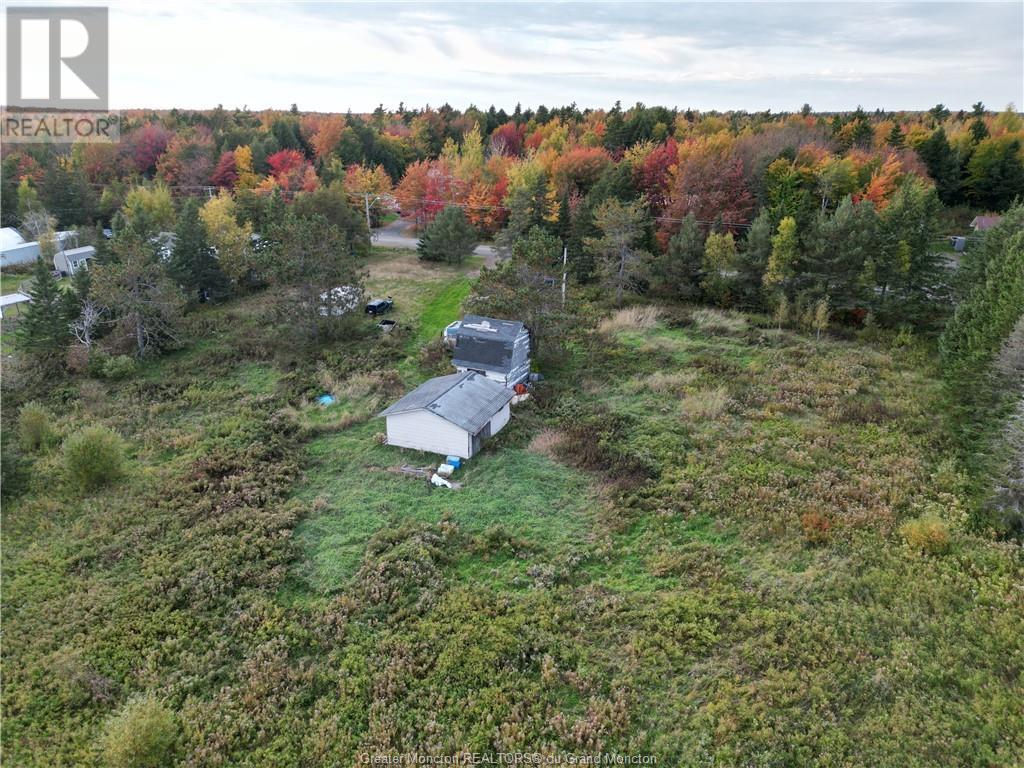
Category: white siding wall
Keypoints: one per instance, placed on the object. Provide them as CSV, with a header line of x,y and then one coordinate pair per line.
x,y
425,431
499,420
25,253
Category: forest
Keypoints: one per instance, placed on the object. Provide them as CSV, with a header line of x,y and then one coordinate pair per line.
x,y
765,508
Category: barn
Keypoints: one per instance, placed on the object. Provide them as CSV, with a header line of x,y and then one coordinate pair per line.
x,y
450,415
499,349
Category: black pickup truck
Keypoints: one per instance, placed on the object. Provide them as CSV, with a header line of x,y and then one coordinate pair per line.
x,y
380,306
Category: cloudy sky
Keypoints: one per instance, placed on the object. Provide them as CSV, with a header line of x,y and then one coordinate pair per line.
x,y
768,55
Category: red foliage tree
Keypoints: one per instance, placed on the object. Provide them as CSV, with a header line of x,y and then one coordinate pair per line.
x,y
146,144
580,167
225,174
712,188
290,170
507,139
188,161
653,176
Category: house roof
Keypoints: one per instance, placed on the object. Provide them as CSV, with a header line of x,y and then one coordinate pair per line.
x,y
490,328
10,237
85,252
981,223
468,400
486,343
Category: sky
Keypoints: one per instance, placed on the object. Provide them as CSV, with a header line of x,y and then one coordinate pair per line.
x,y
334,56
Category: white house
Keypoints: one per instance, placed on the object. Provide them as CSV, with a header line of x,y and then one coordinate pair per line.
x,y
499,349
14,249
71,260
450,415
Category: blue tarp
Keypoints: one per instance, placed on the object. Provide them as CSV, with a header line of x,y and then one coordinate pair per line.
x,y
325,400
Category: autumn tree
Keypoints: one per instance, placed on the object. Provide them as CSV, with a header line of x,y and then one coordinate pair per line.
x,y
785,252
232,241
622,262
719,260
147,210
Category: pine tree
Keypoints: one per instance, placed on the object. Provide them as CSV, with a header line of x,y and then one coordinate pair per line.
x,y
679,271
193,264
449,237
44,331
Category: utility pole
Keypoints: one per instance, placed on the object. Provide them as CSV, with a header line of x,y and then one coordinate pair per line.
x,y
366,202
565,271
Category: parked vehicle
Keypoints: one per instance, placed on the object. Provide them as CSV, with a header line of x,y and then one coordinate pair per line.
x,y
380,306
387,325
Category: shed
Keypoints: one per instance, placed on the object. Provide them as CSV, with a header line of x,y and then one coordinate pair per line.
x,y
13,303
73,259
451,415
499,349
985,222
14,249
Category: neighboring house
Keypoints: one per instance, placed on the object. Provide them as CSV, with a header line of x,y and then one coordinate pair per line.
x,y
983,223
451,415
499,349
13,303
14,249
73,259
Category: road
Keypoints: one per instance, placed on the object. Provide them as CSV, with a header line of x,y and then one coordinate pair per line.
x,y
399,234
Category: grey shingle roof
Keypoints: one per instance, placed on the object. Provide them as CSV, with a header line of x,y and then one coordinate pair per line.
x,y
468,400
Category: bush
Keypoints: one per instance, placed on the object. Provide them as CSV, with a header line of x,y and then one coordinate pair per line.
x,y
141,735
93,457
34,427
118,367
926,534
817,528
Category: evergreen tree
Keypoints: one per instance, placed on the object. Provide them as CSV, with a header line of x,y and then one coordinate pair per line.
x,y
43,330
617,250
895,138
752,260
679,271
943,166
193,264
995,173
449,237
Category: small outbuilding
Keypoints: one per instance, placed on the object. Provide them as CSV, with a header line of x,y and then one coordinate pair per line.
x,y
450,415
985,222
499,349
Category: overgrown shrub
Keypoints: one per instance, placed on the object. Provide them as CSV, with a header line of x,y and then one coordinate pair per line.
x,y
93,457
141,735
817,528
119,367
34,427
927,534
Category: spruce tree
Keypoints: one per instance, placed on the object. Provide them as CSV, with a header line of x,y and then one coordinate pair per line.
x,y
193,264
44,331
449,237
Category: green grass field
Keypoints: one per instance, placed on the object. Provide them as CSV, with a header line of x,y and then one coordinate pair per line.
x,y
689,544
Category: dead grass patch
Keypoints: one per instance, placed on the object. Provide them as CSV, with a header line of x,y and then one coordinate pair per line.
x,y
546,442
630,318
706,403
717,321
